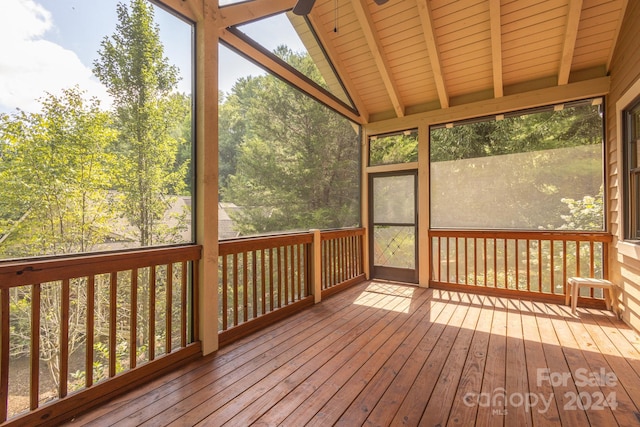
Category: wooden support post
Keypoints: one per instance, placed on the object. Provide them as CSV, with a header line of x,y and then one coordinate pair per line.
x,y
206,130
316,266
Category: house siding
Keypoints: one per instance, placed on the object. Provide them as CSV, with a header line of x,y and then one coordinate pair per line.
x,y
624,258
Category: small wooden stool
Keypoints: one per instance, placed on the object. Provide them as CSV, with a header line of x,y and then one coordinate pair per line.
x,y
575,283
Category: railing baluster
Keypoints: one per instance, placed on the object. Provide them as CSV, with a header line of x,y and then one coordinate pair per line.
x,y
517,259
457,258
168,309
484,244
91,302
113,321
281,301
133,330
448,280
577,258
263,281
564,266
152,312
235,289
299,270
64,338
552,267
225,286
254,282
271,279
183,305
539,265
4,353
245,287
495,262
34,388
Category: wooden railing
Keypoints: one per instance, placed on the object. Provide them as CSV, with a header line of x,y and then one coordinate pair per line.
x,y
79,328
342,257
532,263
264,279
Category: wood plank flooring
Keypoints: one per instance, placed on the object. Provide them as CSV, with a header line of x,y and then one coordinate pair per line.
x,y
389,354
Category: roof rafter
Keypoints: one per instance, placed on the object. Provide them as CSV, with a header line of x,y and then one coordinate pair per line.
x,y
570,36
434,54
366,23
496,47
250,11
623,9
263,58
343,75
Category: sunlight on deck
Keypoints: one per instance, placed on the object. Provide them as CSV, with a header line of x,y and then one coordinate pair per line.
x,y
402,304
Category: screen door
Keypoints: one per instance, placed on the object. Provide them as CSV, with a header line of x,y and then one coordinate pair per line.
x,y
393,226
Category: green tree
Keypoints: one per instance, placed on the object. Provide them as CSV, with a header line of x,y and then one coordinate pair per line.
x,y
56,176
138,76
297,163
56,170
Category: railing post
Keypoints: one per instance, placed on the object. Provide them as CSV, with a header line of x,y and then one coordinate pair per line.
x,y
316,266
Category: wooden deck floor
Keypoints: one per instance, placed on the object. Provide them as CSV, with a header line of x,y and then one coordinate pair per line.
x,y
388,354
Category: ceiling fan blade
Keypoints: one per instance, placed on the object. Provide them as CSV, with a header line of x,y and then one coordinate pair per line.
x,y
380,2
303,7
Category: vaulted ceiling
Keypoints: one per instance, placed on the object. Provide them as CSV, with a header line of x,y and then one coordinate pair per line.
x,y
412,56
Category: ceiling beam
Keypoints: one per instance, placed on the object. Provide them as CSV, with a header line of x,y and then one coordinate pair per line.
x,y
434,54
496,47
334,59
248,11
266,60
570,36
361,9
518,101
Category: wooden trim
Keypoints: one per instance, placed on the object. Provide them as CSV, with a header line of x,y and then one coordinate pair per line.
x,y
434,54
569,44
496,47
64,409
361,9
244,329
515,294
27,272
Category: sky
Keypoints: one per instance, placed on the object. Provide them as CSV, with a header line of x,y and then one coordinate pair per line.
x,y
50,45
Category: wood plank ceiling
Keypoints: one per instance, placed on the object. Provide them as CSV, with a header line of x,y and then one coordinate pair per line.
x,y
411,56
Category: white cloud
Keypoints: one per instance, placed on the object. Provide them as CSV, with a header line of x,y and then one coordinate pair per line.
x,y
31,65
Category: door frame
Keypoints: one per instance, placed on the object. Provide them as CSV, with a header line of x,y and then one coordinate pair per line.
x,y
393,273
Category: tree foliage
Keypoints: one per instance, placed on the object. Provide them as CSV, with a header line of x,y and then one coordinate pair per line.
x,y
55,175
296,161
140,79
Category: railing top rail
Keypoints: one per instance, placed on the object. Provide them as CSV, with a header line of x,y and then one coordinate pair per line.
x,y
336,234
568,235
27,272
228,247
